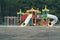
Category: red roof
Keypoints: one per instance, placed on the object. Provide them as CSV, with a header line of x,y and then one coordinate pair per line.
x,y
25,16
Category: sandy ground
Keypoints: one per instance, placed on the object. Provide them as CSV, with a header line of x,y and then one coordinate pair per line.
x,y
29,33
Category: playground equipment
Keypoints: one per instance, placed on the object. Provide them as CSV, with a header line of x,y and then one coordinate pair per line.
x,y
18,16
55,19
38,18
27,20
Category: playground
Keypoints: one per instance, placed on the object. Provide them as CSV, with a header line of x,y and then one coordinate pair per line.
x,y
29,19
32,17
31,25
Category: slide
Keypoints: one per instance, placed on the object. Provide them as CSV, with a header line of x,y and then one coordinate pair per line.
x,y
55,19
26,21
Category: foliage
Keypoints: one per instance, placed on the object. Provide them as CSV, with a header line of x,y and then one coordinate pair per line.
x,y
10,7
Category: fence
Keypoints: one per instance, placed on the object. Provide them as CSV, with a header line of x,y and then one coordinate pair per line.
x,y
10,20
